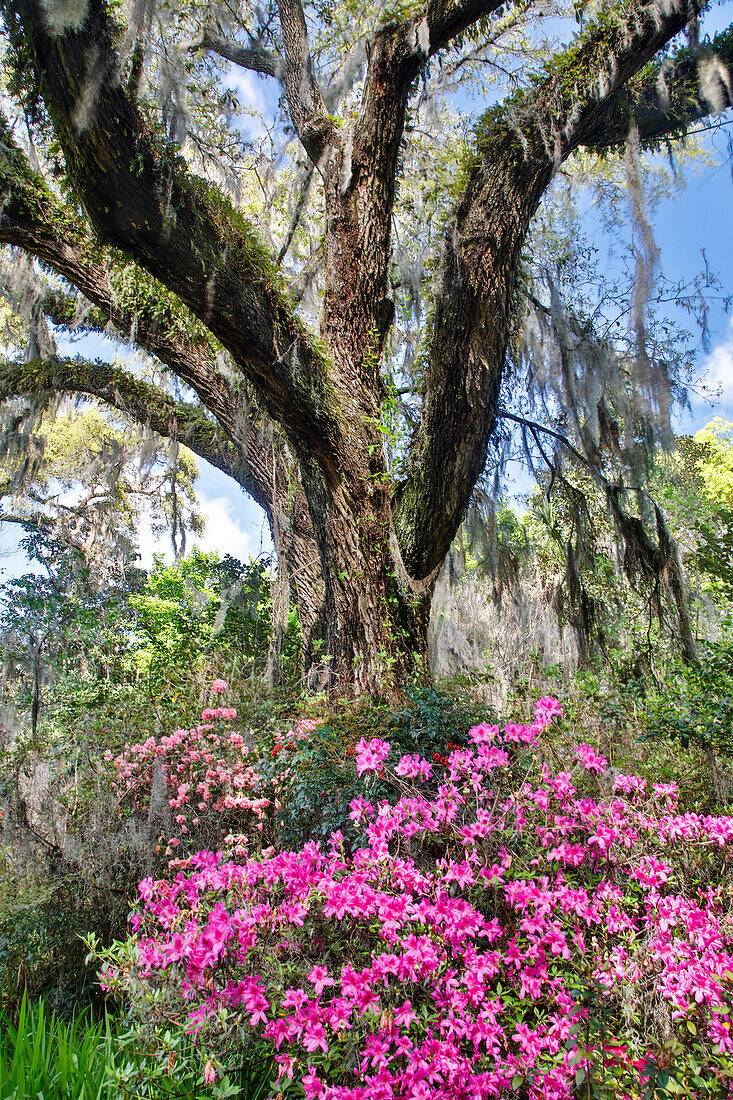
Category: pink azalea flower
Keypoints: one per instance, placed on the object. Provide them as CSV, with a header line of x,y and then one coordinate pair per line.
x,y
294,998
482,733
319,977
404,1016
410,767
546,709
371,754
314,1038
311,1084
666,790
590,759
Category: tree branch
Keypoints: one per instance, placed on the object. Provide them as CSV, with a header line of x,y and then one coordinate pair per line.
x,y
519,147
139,196
445,21
36,522
142,401
255,58
305,102
534,426
666,98
34,220
361,182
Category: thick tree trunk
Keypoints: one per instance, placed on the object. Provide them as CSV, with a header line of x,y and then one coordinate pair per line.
x,y
375,624
375,618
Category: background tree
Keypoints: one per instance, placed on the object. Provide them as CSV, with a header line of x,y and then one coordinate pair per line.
x,y
108,101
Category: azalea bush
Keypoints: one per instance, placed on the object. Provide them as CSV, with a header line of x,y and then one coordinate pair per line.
x,y
204,779
566,933
297,778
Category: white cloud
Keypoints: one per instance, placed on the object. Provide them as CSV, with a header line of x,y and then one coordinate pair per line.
x,y
250,92
222,533
718,372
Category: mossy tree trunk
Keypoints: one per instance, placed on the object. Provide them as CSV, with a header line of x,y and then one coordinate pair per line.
x,y
331,495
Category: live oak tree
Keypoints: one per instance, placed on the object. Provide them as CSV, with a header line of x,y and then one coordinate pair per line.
x,y
297,411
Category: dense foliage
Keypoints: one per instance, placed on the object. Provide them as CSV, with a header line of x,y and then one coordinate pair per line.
x,y
513,925
345,296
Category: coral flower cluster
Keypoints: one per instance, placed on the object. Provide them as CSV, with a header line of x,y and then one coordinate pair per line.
x,y
510,930
206,770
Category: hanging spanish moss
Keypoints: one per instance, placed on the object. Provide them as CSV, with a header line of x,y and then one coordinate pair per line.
x,y
586,412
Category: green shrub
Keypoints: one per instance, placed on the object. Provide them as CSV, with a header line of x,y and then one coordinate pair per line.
x,y
41,951
317,777
694,705
42,1055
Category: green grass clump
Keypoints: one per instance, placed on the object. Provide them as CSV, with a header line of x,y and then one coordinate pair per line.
x,y
43,1056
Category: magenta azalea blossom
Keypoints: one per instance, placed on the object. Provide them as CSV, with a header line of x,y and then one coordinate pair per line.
x,y
413,767
319,977
460,924
371,754
590,759
546,709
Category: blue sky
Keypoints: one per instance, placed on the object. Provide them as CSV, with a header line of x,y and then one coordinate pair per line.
x,y
700,218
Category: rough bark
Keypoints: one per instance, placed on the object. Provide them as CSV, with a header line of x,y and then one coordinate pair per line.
x,y
519,148
139,196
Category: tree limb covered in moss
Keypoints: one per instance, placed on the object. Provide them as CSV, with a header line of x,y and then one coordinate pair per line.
x,y
519,146
255,57
139,195
135,397
446,21
34,220
670,95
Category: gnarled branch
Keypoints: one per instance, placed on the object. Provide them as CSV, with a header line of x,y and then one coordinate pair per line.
x,y
520,145
255,58
140,196
670,95
135,397
305,102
